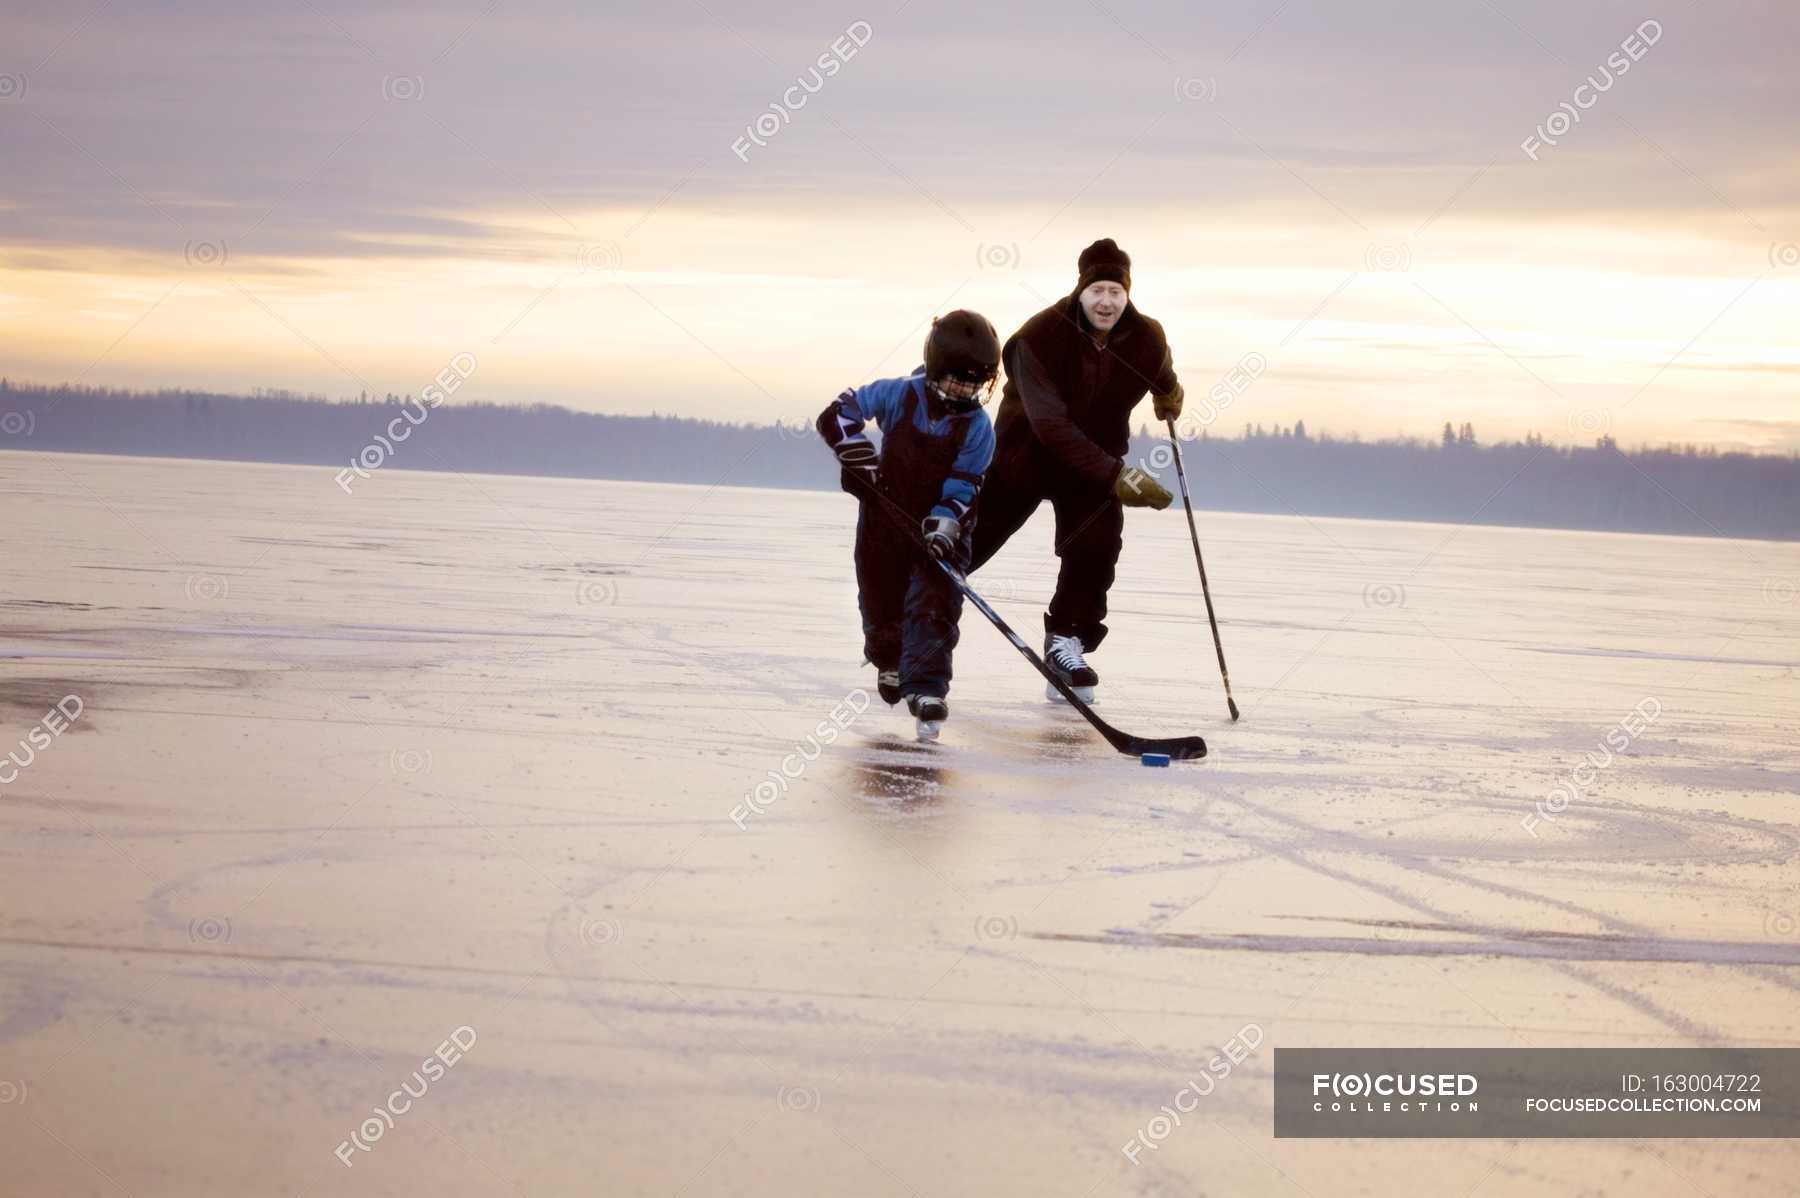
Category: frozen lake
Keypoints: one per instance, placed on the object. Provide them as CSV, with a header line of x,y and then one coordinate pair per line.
x,y
455,760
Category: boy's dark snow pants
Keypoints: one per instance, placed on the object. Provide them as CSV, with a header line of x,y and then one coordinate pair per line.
x,y
910,608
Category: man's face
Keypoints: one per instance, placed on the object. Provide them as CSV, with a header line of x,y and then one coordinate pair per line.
x,y
1104,303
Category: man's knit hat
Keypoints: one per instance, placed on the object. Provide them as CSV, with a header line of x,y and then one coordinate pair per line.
x,y
1104,261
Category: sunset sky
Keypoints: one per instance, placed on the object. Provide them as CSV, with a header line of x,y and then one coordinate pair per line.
x,y
331,197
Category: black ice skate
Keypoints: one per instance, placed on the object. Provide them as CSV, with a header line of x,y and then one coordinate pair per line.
x,y
1063,655
887,685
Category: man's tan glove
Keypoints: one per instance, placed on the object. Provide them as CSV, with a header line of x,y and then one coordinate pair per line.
x,y
1168,407
1137,488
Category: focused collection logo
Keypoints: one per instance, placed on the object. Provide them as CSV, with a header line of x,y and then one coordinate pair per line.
x,y
1394,1093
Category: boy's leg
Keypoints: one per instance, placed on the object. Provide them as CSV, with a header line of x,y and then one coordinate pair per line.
x,y
929,631
883,563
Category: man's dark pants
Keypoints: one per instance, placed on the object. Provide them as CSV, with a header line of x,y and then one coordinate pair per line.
x,y
1090,527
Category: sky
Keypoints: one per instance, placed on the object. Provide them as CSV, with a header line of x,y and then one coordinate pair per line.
x,y
1383,215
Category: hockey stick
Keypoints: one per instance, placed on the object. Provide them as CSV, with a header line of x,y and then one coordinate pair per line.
x,y
1178,748
1187,502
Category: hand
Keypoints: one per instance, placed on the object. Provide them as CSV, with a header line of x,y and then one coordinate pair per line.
x,y
860,481
941,535
1168,407
1137,488
861,466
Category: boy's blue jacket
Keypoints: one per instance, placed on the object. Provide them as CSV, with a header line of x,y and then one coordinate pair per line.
x,y
883,401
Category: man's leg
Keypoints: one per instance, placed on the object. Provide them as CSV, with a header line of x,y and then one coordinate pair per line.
x,y
883,561
1012,493
1090,527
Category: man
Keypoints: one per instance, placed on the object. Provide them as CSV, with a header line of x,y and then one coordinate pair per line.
x,y
1074,372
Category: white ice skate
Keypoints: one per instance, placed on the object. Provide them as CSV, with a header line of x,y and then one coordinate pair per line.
x,y
930,712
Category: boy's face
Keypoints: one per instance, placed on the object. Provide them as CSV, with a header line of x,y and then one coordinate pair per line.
x,y
961,390
1104,303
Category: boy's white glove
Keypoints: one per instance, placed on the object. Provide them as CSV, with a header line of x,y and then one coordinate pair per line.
x,y
941,535
861,465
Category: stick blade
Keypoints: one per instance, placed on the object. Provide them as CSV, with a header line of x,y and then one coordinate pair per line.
x,y
1232,704
1178,748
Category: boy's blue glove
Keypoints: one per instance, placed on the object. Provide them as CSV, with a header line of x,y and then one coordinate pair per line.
x,y
941,535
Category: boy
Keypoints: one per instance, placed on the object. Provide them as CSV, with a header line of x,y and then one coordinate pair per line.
x,y
936,444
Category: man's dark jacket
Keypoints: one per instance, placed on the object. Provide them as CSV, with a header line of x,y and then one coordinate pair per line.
x,y
1071,400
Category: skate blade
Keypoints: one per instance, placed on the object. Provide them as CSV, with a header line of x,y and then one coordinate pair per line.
x,y
928,730
1084,693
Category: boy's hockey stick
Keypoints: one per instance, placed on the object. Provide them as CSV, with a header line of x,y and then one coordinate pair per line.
x,y
1178,748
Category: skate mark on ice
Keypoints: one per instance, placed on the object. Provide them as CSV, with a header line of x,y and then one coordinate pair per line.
x,y
1551,946
1673,1020
1647,655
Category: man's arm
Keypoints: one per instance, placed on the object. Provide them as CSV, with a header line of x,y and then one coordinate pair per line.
x,y
1166,392
1165,380
1048,413
968,472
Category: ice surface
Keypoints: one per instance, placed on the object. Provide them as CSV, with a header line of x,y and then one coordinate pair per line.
x,y
353,772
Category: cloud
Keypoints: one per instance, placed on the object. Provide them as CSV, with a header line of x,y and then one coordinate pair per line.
x,y
400,175
366,116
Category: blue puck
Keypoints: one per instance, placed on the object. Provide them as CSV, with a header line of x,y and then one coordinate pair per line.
x,y
1161,759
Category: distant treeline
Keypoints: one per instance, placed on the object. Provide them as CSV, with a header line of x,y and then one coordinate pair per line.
x,y
1452,478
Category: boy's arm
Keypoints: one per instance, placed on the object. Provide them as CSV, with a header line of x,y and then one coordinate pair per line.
x,y
968,472
841,425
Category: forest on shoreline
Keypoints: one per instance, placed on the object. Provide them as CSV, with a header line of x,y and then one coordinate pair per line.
x,y
1451,478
